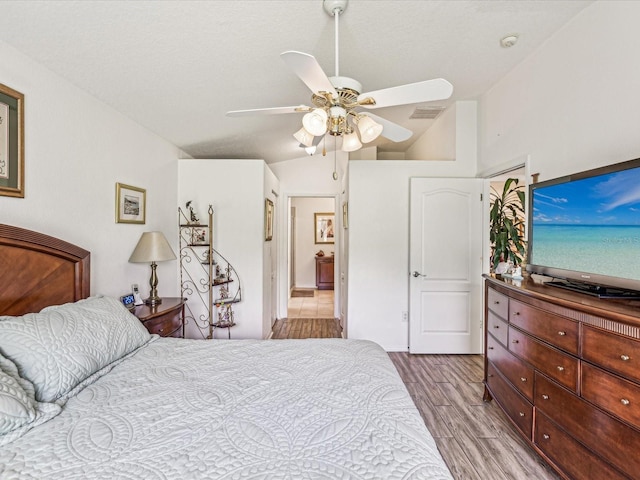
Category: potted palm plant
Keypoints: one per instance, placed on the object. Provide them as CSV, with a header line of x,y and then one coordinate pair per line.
x,y
507,224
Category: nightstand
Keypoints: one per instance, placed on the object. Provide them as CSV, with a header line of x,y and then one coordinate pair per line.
x,y
165,319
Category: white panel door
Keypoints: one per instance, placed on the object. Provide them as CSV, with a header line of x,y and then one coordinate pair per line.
x,y
445,305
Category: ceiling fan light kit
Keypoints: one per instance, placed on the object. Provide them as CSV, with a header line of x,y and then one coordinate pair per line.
x,y
337,100
304,137
315,122
368,128
351,142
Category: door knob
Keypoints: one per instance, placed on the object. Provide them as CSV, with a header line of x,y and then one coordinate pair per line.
x,y
418,274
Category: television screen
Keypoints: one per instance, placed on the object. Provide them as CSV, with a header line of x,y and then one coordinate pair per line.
x,y
586,227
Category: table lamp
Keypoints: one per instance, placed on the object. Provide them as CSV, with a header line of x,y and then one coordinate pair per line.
x,y
152,247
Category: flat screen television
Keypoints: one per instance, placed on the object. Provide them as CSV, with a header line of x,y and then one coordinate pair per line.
x,y
584,230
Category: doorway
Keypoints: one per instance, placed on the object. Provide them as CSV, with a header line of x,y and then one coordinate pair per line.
x,y
308,242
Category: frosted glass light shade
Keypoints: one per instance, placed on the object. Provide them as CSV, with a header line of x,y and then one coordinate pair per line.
x,y
350,142
304,137
315,122
369,129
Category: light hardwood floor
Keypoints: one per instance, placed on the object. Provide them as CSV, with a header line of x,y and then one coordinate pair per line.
x,y
475,438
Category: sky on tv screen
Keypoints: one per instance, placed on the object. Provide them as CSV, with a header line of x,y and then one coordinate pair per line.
x,y
612,199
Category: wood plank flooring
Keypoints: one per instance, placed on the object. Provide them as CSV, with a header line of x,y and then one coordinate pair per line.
x,y
475,438
306,328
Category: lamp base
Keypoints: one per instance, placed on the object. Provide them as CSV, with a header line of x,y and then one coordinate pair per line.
x,y
153,301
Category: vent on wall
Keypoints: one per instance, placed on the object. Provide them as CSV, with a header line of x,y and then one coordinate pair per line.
x,y
426,112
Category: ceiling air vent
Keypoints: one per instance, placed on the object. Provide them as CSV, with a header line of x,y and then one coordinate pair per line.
x,y
426,112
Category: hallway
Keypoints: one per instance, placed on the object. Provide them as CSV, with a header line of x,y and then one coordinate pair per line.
x,y
318,306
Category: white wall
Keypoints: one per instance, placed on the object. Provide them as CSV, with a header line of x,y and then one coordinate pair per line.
x,y
378,280
305,246
575,103
305,176
76,149
235,188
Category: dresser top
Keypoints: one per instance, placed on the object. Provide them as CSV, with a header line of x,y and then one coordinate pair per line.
x,y
622,310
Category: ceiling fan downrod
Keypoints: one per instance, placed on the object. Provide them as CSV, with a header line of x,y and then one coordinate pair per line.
x,y
335,8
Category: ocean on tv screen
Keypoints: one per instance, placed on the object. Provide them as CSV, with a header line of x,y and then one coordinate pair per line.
x,y
589,225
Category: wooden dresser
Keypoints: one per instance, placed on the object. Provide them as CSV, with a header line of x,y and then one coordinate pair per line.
x,y
324,272
165,319
565,368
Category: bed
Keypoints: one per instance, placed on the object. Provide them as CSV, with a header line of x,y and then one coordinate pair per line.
x,y
87,393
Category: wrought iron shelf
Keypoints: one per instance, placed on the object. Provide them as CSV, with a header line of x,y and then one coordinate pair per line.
x,y
205,275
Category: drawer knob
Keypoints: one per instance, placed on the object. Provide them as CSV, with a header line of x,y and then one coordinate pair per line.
x,y
516,313
514,341
624,401
545,397
521,414
497,302
560,368
523,379
561,333
624,358
490,375
496,326
545,436
490,348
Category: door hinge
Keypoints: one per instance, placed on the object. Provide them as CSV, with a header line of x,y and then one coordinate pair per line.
x,y
480,197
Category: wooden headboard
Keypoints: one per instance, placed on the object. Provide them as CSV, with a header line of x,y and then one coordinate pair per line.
x,y
37,271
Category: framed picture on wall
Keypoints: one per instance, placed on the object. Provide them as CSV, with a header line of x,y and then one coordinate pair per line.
x,y
131,204
11,142
324,224
345,215
268,220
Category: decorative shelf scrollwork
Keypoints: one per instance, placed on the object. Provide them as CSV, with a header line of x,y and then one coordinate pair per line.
x,y
206,277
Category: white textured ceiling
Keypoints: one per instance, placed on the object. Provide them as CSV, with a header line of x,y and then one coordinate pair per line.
x,y
176,67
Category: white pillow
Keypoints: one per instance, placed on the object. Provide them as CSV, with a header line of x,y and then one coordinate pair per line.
x,y
61,346
17,401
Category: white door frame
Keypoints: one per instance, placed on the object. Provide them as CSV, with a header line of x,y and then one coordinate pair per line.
x,y
283,245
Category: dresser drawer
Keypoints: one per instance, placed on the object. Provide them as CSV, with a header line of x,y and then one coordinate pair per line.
x,y
561,367
562,449
515,405
614,394
515,370
598,431
166,325
498,303
558,331
611,351
498,328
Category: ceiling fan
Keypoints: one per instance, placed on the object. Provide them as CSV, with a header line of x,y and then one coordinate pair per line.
x,y
339,108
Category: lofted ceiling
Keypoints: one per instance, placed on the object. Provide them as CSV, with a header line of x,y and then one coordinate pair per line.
x,y
176,67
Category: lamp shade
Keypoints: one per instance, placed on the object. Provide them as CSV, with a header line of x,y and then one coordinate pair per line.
x,y
152,247
304,137
369,129
315,122
350,142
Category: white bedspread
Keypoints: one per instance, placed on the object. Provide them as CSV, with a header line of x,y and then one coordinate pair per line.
x,y
238,409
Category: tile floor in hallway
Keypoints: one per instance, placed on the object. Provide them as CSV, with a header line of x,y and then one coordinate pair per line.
x,y
318,306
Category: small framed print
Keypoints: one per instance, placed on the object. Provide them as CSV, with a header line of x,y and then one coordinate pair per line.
x,y
268,220
345,215
131,204
11,142
323,224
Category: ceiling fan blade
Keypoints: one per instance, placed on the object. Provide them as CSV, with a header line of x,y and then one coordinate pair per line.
x,y
390,130
427,91
268,111
309,70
